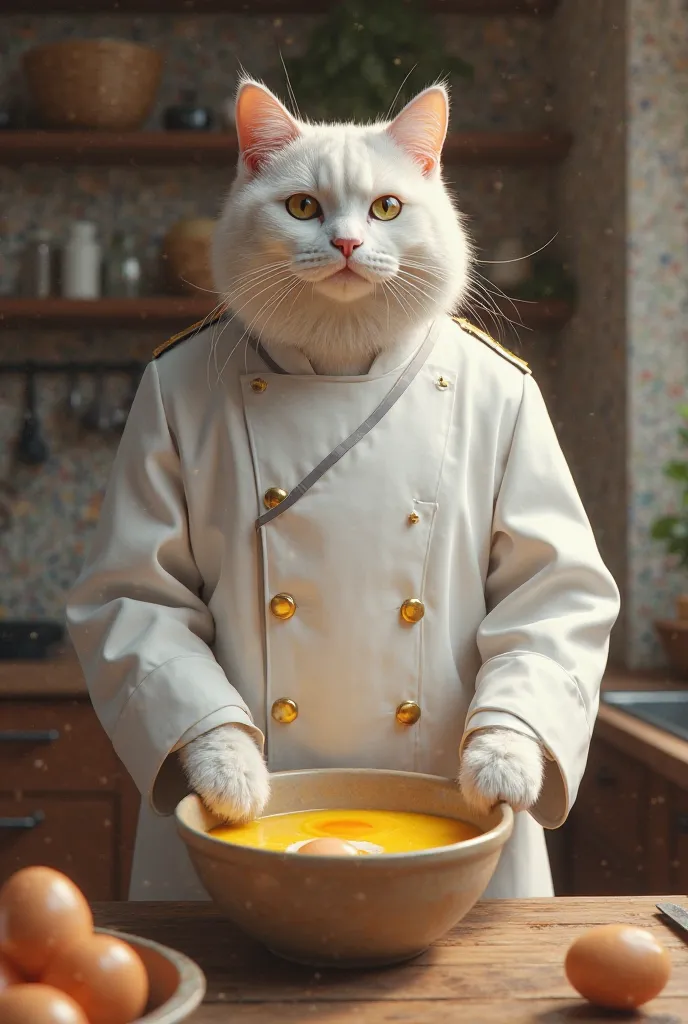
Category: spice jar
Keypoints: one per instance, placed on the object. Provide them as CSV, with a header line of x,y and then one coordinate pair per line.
x,y
36,269
81,263
122,267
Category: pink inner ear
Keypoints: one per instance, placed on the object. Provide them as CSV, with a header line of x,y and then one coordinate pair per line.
x,y
421,128
263,125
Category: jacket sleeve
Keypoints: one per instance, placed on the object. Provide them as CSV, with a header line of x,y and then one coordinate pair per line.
x,y
136,617
551,606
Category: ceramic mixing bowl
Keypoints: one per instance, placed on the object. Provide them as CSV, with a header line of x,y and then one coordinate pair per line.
x,y
348,911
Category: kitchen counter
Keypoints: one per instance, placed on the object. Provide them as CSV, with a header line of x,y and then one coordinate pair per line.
x,y
657,749
504,963
60,677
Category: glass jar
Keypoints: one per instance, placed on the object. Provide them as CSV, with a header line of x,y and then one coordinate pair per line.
x,y
122,267
36,269
81,263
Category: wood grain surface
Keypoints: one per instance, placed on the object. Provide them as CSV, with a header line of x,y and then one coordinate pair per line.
x,y
502,965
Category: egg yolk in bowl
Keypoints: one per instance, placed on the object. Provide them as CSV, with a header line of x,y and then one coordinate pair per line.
x,y
369,831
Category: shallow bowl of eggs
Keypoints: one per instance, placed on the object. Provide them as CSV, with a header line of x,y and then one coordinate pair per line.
x,y
176,985
396,860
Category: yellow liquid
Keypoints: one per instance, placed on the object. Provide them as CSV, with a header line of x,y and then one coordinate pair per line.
x,y
394,831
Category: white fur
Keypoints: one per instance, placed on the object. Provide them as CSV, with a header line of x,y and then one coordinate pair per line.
x,y
227,770
501,765
276,273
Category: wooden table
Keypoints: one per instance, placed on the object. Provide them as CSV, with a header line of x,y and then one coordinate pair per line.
x,y
502,965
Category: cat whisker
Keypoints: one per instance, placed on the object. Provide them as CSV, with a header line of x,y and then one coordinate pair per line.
x,y
517,259
290,89
264,279
404,299
478,289
276,298
500,317
248,329
493,288
410,278
417,288
398,92
277,280
198,287
258,272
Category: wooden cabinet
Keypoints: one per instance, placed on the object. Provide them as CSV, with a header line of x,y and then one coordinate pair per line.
x,y
627,834
65,799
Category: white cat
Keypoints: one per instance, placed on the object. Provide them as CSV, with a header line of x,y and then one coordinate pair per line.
x,y
341,286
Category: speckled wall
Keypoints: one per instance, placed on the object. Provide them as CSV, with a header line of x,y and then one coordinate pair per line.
x,y
588,358
657,298
57,505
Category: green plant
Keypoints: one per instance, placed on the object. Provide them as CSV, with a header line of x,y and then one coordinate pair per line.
x,y
549,280
673,530
359,54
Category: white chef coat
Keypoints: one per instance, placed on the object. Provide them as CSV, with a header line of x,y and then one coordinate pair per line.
x,y
459,498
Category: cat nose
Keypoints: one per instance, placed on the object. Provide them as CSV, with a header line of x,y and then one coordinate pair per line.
x,y
346,246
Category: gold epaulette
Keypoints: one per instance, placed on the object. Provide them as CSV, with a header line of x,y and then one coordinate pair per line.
x,y
188,332
475,332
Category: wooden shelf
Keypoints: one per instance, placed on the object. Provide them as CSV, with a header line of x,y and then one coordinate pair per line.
x,y
154,312
160,312
138,149
488,8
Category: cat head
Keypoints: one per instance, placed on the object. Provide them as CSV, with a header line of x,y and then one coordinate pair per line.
x,y
339,235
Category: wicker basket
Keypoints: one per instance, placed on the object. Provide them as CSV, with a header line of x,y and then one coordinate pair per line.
x,y
100,84
186,256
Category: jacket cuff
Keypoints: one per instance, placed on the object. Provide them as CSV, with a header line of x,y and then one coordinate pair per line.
x,y
497,720
540,693
163,708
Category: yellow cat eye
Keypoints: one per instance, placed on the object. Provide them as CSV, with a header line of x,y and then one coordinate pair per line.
x,y
303,207
386,208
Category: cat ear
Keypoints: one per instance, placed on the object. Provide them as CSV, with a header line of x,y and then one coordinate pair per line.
x,y
263,124
421,127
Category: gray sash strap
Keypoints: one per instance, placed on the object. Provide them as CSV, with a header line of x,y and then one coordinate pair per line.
x,y
390,399
268,360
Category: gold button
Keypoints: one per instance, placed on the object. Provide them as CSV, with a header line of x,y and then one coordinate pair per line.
x,y
413,518
285,711
258,385
442,383
274,496
408,713
283,606
412,610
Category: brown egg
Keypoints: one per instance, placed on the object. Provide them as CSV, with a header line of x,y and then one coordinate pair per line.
x,y
618,966
328,848
8,975
105,976
41,911
38,1004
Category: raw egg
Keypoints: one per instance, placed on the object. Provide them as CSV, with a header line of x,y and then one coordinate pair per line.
x,y
328,848
105,976
8,975
41,912
617,966
38,1004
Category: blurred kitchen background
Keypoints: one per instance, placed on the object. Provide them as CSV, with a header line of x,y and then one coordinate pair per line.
x,y
569,141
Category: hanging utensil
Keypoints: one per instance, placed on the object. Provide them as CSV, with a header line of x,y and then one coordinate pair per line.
x,y
75,396
97,416
8,495
121,413
31,448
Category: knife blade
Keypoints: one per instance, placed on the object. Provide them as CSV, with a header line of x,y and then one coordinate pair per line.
x,y
675,913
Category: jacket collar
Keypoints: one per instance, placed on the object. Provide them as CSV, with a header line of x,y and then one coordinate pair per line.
x,y
294,363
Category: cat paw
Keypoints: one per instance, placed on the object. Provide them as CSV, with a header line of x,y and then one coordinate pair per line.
x,y
227,770
500,765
